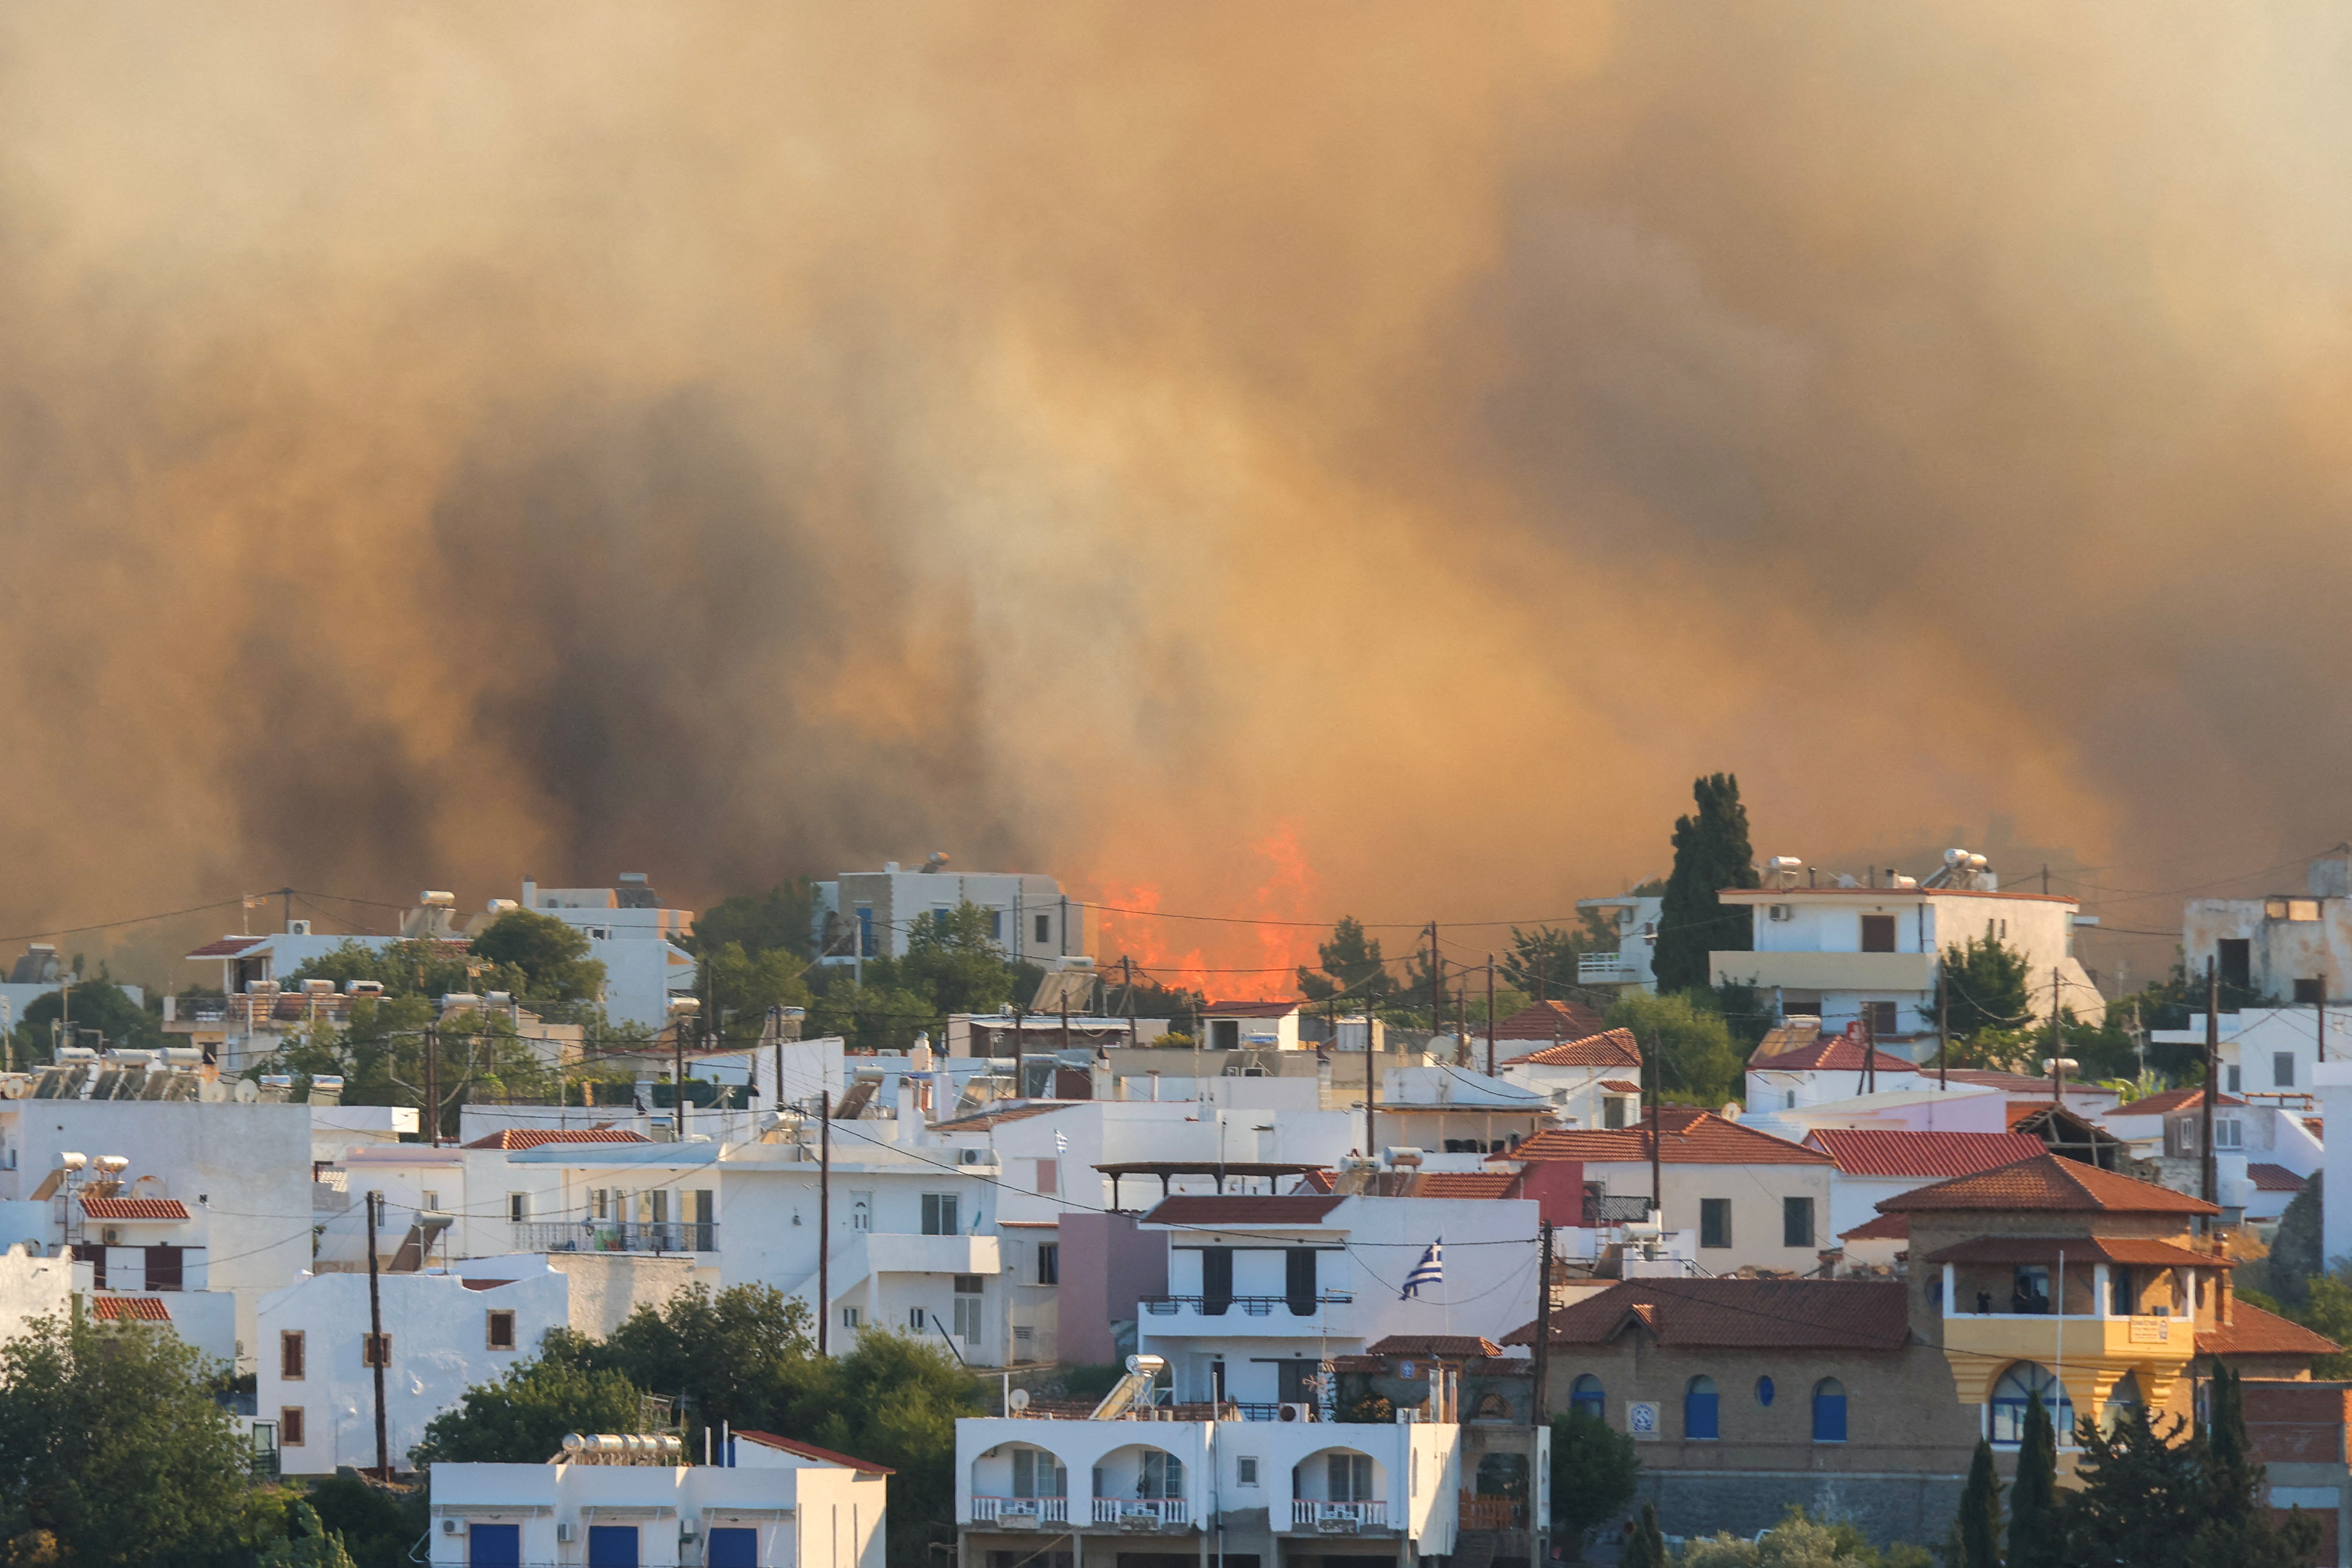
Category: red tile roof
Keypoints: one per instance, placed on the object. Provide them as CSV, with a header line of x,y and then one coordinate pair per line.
x,y
2046,1183
1446,1345
2008,1082
2170,1100
1609,1048
2142,1252
1747,1314
1463,1184
1557,1021
134,1208
130,1309
1831,1053
1317,1180
516,1137
1205,1210
1620,1086
1867,1152
811,1451
227,947
2252,1331
1249,1009
1694,1137
2270,1178
1885,1227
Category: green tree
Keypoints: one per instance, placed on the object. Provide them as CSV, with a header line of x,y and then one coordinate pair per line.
x,y
2139,1500
875,1016
310,1545
2237,1527
895,1400
1711,853
1595,1471
1689,1042
99,1006
377,1523
1645,1546
1984,980
1978,1528
521,1418
953,961
1352,967
744,984
1542,962
2033,1528
552,955
744,1355
779,920
112,1446
2294,1257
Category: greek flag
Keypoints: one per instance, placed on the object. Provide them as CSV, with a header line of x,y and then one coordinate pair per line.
x,y
1061,1144
1430,1270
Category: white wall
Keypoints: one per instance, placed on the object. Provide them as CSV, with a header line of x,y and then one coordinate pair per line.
x,y
32,1286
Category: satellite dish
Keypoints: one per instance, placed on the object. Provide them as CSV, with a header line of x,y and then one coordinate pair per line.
x,y
248,1092
212,1091
1018,1399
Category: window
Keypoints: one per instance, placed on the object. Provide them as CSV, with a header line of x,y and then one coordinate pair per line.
x,y
1299,1288
163,1268
599,1203
2306,992
996,925
849,1317
613,1546
939,913
2235,1084
493,1546
1585,1395
940,1214
2029,1290
1715,1222
2184,1134
1796,1222
733,1546
1612,1112
866,929
375,1350
1164,1475
1045,929
2302,909
1698,1408
1037,1473
1764,1392
431,1201
1049,1177
915,1319
1878,933
289,1425
1829,1411
966,1307
1884,1019
861,1211
501,1332
2283,1069
2121,1301
291,1355
2229,1133
1049,1263
518,1207
1350,1476
2234,958
967,1284
2020,1386
1245,1471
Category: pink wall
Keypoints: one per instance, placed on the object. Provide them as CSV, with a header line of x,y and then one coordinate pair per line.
x,y
1107,1265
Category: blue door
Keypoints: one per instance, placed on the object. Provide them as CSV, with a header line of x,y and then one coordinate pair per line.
x,y
734,1547
493,1546
612,1546
1698,1408
1829,1411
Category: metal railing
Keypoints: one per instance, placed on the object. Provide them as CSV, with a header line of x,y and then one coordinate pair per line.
x,y
1604,1209
1165,1513
1315,1515
1248,1306
1596,966
1021,1509
616,1236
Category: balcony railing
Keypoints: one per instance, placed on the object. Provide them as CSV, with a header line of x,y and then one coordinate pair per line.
x,y
1244,1306
616,1236
1020,1511
1606,1209
1306,1513
1149,1513
1603,965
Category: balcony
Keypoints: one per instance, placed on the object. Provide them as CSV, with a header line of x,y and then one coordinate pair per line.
x,y
1604,968
1338,1518
2035,1336
1241,1314
1884,973
616,1236
1020,1512
1141,1514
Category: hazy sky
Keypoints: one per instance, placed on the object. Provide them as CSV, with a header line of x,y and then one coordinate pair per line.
x,y
1257,459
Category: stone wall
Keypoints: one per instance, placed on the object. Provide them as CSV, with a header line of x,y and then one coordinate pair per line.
x,y
1918,1509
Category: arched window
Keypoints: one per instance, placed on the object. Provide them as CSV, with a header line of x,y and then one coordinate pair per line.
x,y
1829,1411
2018,1387
1585,1395
1698,1408
1764,1392
2123,1401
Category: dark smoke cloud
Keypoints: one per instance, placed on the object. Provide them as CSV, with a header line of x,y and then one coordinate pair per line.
x,y
440,445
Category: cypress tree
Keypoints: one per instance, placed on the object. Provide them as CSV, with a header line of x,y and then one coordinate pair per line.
x,y
2033,1525
1978,1525
1645,1548
1711,853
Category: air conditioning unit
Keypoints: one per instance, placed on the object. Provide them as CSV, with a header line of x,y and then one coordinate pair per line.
x,y
1780,912
452,1525
563,1532
297,928
1296,1413
1139,1519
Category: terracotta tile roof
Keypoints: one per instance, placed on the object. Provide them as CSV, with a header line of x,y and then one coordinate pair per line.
x,y
1694,1137
1620,1086
2046,1183
1609,1048
1447,1345
1885,1227
1463,1184
227,947
2008,1082
1870,1152
1314,1182
1204,1210
2252,1331
981,1121
2170,1100
134,1208
2270,1178
811,1451
538,1137
1831,1053
1549,1021
130,1309
2144,1251
1885,894
1786,1037
1748,1314
1249,1009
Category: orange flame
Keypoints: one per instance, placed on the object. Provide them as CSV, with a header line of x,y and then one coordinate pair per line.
x,y
1248,955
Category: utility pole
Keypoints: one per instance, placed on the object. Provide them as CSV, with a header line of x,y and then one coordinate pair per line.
x,y
678,1081
1657,1139
823,1216
2045,876
1538,1409
1371,1084
433,1080
1943,1033
1490,1014
376,1346
2057,1045
2322,1016
1869,1084
2210,1187
1127,973
1436,984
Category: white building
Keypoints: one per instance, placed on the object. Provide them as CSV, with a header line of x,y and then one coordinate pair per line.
x,y
1636,916
2270,1050
633,937
770,1503
872,913
443,1334
32,1285
1860,953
